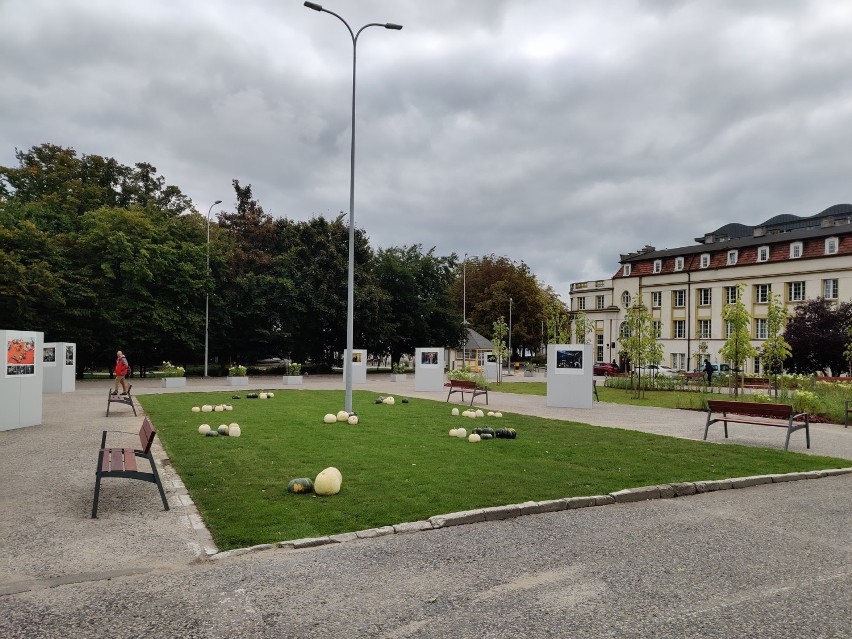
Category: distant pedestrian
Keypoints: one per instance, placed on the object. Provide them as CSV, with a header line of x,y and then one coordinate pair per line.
x,y
708,368
122,368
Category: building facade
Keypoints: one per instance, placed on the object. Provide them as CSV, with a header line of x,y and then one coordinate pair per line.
x,y
686,289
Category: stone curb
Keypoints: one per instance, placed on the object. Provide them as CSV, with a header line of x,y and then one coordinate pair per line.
x,y
497,513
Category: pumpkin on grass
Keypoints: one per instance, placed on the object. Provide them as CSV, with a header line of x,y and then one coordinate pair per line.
x,y
300,485
328,482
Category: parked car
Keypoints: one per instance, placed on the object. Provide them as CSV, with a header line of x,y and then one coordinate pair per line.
x,y
605,368
652,370
725,368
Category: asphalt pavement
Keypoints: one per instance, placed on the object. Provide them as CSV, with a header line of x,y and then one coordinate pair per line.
x,y
770,560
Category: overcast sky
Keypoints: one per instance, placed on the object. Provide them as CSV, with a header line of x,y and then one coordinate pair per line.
x,y
554,132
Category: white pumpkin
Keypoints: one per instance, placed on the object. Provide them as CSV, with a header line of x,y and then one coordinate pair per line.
x,y
454,432
270,395
207,408
233,424
390,401
455,412
479,413
204,429
218,408
491,413
328,482
461,433
342,416
329,418
353,419
262,396
223,429
473,438
228,407
234,431
196,409
498,414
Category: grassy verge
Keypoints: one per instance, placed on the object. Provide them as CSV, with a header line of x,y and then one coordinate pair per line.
x,y
399,464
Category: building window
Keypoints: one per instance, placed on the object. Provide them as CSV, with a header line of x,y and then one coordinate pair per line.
x,y
679,361
625,299
656,299
729,329
761,328
600,347
704,296
757,366
705,260
829,289
761,293
627,270
658,328
762,253
581,303
730,295
795,291
658,266
795,250
678,263
679,329
732,257
624,330
704,329
599,301
679,298
831,245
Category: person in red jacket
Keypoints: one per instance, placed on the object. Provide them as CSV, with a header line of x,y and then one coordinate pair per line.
x,y
121,370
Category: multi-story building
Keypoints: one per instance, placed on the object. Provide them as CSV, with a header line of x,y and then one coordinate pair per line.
x,y
796,258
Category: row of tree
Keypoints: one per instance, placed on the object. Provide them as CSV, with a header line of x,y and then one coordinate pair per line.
x,y
110,256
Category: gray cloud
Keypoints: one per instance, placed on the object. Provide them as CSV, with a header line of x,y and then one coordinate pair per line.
x,y
560,134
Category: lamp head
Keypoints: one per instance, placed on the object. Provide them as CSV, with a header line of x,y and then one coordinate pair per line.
x,y
391,25
217,202
314,6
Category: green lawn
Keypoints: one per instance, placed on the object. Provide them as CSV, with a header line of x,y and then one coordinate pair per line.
x,y
399,464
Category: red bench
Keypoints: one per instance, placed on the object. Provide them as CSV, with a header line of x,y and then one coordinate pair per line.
x,y
121,462
758,414
121,398
462,385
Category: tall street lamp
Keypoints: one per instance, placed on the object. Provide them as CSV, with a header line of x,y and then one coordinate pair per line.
x,y
464,310
207,300
510,337
350,299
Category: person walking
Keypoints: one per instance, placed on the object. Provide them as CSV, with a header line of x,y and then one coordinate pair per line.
x,y
121,370
708,368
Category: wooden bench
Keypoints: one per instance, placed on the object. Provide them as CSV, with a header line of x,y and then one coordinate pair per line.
x,y
121,462
461,385
121,398
754,382
758,414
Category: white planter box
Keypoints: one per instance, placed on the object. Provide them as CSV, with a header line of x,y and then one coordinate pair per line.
x,y
399,377
293,380
529,373
173,382
238,381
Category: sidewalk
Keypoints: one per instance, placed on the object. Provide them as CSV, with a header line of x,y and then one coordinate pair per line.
x,y
47,473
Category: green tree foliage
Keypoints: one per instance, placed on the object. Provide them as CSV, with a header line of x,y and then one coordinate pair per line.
x,y
557,318
498,343
639,340
816,333
583,327
737,348
775,349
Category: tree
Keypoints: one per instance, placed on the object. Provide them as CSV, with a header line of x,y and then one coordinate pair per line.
x,y
498,345
737,348
775,349
639,340
557,318
817,336
582,328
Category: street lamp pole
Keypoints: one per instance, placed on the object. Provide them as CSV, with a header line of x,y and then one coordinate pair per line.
x,y
207,299
510,336
464,310
350,298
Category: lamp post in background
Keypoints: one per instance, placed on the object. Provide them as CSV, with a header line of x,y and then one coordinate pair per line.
x,y
510,337
464,311
350,300
207,299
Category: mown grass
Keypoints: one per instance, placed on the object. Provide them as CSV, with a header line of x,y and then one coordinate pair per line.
x,y
399,464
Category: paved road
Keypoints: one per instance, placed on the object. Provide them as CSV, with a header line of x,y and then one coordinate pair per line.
x,y
767,561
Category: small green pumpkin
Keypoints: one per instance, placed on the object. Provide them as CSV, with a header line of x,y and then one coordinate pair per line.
x,y
485,436
300,485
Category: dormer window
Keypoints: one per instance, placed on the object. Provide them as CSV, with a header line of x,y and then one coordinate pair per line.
x,y
795,250
627,270
658,266
705,260
732,257
678,263
831,245
762,253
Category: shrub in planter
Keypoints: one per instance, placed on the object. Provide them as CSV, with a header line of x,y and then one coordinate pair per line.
x,y
237,370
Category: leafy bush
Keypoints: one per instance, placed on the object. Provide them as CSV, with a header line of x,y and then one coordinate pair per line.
x,y
294,370
398,368
170,370
464,373
237,370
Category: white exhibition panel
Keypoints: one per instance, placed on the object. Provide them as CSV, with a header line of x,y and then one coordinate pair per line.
x,y
359,366
569,375
429,369
21,379
58,359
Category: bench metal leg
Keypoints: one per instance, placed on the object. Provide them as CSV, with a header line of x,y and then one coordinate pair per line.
x,y
158,482
97,484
